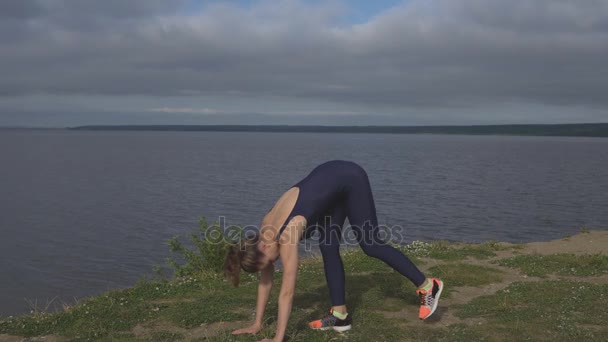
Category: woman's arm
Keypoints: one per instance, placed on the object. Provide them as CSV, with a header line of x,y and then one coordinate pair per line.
x,y
289,259
264,287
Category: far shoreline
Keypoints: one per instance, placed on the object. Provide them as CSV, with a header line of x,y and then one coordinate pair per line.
x,y
588,130
563,130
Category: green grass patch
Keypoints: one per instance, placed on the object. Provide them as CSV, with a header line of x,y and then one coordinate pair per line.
x,y
91,319
460,274
166,336
186,301
355,261
118,336
559,264
205,310
548,311
448,251
453,252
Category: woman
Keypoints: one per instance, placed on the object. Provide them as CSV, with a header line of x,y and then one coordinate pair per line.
x,y
332,192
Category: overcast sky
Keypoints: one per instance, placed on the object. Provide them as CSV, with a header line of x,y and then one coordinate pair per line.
x,y
75,62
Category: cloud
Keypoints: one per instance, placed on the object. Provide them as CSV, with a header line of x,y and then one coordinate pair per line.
x,y
19,10
422,54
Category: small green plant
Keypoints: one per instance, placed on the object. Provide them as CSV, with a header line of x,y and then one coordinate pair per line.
x,y
210,245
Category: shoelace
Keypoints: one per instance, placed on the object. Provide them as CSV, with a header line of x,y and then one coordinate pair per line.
x,y
425,298
328,319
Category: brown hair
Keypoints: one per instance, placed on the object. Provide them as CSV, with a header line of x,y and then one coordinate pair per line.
x,y
244,255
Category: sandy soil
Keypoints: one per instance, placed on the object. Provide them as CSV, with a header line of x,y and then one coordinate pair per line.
x,y
593,242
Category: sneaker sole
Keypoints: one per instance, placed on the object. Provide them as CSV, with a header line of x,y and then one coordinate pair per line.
x,y
338,329
342,329
436,301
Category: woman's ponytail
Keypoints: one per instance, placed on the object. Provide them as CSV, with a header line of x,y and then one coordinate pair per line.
x,y
232,265
244,255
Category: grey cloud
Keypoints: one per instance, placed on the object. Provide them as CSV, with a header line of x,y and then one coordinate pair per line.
x,y
20,9
113,8
27,9
425,53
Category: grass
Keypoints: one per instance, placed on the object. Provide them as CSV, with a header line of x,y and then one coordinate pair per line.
x,y
189,302
121,310
167,336
447,251
548,311
383,303
559,264
461,274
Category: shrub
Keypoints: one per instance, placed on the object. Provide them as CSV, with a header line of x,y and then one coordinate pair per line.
x,y
210,245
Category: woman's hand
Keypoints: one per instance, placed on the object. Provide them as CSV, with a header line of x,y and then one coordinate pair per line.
x,y
267,340
253,329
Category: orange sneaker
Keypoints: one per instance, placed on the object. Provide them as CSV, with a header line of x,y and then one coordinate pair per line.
x,y
429,299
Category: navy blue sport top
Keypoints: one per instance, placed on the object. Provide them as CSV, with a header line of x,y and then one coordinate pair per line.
x,y
321,190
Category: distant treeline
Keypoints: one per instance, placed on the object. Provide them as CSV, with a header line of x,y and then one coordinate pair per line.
x,y
573,130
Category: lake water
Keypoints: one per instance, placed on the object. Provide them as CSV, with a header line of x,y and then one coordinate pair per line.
x,y
83,212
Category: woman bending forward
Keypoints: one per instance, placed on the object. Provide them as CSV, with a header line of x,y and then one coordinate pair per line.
x,y
332,192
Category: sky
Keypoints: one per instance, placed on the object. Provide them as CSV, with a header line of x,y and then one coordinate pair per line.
x,y
336,62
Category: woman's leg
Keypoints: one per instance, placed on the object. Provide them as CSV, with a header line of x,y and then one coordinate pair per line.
x,y
361,212
329,244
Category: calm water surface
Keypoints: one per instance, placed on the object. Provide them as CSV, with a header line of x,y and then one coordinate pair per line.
x,y
84,212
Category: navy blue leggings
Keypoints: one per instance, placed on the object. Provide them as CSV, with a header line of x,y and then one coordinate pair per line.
x,y
332,192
